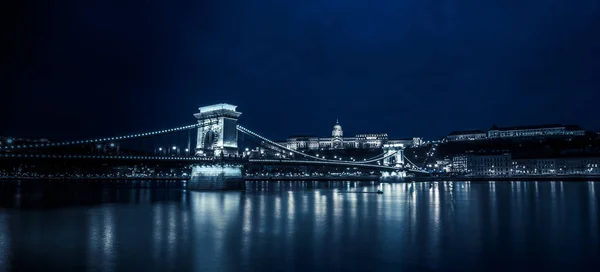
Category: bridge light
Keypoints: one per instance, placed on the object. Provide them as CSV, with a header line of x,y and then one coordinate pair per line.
x,y
174,148
160,149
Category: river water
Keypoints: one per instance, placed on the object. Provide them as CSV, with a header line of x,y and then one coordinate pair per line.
x,y
306,226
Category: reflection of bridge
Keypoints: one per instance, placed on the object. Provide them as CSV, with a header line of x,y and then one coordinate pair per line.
x,y
216,145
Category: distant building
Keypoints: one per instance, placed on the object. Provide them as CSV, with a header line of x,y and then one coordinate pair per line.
x,y
466,135
412,142
557,166
367,141
489,165
535,131
338,141
459,164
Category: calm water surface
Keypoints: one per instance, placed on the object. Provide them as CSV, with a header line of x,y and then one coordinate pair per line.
x,y
306,226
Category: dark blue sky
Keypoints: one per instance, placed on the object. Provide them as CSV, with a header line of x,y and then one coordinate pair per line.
x,y
406,67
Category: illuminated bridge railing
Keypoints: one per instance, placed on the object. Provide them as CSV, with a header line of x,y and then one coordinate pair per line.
x,y
332,163
110,157
100,140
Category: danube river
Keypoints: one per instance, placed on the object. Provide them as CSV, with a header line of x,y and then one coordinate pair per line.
x,y
305,226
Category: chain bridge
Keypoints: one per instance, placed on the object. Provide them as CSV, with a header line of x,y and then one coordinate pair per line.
x,y
216,159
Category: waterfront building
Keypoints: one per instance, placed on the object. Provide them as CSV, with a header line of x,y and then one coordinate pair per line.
x,y
489,165
534,166
535,131
459,164
338,141
466,135
580,165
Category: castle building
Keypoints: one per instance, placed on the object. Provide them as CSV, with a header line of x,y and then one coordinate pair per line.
x,y
338,141
535,131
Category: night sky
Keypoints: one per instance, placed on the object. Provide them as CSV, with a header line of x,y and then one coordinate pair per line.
x,y
85,68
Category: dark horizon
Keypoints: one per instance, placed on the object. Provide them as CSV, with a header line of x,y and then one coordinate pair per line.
x,y
407,68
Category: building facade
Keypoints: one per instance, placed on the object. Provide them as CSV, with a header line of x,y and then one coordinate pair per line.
x,y
338,141
557,166
535,131
459,164
489,165
467,135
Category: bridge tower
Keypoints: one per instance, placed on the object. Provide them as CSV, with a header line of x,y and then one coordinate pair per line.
x,y
217,135
393,160
217,130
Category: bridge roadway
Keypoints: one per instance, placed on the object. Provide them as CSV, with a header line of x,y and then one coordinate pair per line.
x,y
333,163
207,160
109,157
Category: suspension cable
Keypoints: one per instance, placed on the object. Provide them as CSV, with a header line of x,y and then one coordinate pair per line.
x,y
101,140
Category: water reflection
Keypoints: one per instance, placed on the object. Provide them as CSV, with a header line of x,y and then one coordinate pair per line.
x,y
303,226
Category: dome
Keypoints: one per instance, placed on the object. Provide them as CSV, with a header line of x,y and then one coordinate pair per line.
x,y
337,125
337,130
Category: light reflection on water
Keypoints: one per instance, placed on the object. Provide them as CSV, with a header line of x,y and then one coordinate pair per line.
x,y
303,226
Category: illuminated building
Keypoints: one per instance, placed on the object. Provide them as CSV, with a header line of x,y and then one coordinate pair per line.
x,y
467,135
574,165
338,141
489,165
535,131
459,164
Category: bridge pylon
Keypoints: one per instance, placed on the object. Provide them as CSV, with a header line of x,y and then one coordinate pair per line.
x,y
217,130
394,155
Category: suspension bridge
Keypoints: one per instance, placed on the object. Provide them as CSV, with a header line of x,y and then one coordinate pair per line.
x,y
216,159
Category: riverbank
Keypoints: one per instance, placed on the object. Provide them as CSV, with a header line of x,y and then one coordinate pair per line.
x,y
513,178
315,178
92,178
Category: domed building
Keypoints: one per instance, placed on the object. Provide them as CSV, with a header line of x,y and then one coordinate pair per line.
x,y
337,141
337,134
337,130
